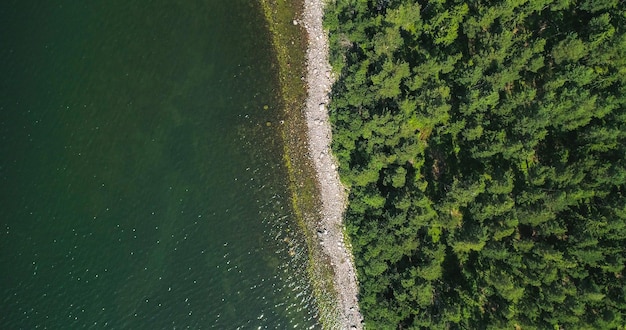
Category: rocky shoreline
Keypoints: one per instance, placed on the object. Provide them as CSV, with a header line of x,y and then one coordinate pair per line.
x,y
319,79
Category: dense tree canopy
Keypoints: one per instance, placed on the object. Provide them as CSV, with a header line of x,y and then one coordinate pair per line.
x,y
484,143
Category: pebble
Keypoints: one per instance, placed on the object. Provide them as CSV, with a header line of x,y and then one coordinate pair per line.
x,y
319,136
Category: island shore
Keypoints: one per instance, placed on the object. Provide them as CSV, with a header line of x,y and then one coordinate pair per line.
x,y
317,196
319,79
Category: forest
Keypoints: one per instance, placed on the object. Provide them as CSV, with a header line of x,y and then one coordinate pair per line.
x,y
483,144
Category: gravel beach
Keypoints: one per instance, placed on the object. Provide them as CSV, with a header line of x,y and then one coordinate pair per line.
x,y
319,79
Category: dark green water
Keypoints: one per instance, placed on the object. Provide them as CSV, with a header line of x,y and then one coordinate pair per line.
x,y
140,187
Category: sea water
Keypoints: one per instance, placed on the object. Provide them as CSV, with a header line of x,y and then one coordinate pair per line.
x,y
141,176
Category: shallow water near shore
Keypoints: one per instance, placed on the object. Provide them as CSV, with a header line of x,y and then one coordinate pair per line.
x,y
141,170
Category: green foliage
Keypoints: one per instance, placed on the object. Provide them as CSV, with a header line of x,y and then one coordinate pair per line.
x,y
484,146
571,49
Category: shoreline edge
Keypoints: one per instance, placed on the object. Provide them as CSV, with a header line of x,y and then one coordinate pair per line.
x,y
319,79
317,196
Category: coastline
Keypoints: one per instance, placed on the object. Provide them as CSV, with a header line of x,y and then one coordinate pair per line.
x,y
317,196
319,79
